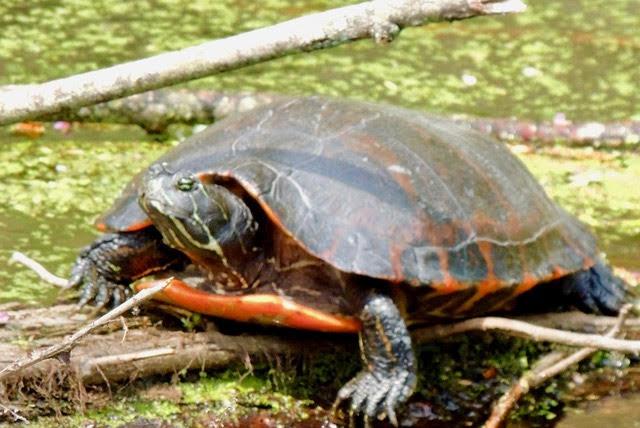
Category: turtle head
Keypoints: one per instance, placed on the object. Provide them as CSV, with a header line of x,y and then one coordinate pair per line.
x,y
201,218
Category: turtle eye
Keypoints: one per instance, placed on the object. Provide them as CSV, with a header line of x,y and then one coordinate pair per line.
x,y
186,184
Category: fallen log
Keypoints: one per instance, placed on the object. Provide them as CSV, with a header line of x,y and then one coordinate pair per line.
x,y
154,111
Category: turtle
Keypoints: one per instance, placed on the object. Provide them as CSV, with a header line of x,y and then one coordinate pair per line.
x,y
347,217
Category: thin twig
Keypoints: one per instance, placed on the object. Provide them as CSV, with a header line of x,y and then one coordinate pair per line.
x,y
528,331
40,270
125,328
15,415
68,343
548,366
381,20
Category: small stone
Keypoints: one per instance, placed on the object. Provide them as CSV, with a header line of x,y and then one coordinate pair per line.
x,y
391,87
590,131
469,79
530,71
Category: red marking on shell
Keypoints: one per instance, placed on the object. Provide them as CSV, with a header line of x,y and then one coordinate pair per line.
x,y
371,147
489,285
261,308
132,228
448,284
139,226
588,263
404,181
328,253
207,177
527,283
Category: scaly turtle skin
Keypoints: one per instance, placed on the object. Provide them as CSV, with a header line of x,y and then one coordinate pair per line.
x,y
342,216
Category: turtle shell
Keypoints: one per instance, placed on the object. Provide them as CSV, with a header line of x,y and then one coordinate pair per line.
x,y
386,192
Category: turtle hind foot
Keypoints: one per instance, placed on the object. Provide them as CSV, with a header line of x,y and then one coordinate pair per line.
x,y
596,290
374,394
389,376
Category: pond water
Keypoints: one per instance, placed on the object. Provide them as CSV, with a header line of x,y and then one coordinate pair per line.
x,y
577,57
608,412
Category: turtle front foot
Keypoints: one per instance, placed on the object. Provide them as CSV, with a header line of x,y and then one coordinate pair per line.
x,y
105,268
389,377
98,275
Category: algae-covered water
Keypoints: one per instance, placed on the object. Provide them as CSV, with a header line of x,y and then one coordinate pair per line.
x,y
578,58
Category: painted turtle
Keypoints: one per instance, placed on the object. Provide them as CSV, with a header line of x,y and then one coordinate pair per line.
x,y
344,216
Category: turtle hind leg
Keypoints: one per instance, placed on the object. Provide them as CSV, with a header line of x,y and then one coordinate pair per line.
x,y
389,374
596,290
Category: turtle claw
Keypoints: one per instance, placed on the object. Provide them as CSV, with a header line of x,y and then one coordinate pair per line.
x,y
375,394
95,287
79,270
88,293
104,294
119,295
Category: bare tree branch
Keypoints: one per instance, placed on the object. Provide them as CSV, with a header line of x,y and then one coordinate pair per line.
x,y
148,349
40,270
528,331
379,19
14,414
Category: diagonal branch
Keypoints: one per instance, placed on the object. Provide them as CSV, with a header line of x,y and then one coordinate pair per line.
x,y
379,19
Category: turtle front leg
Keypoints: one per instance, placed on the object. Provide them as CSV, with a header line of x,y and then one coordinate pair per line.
x,y
106,267
389,375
